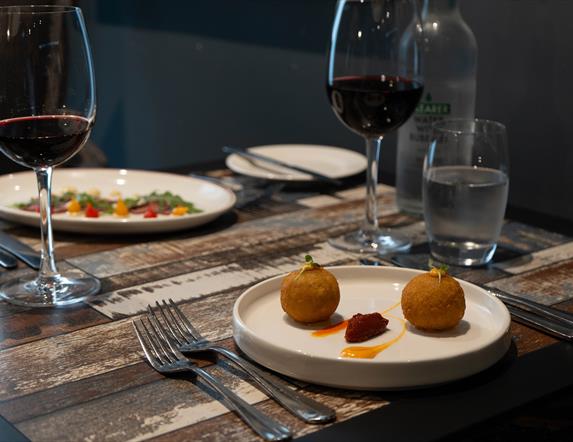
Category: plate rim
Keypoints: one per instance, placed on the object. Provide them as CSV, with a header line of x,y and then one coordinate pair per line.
x,y
230,162
155,225
499,338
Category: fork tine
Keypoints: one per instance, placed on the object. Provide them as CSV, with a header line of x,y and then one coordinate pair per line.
x,y
147,345
158,342
172,325
189,337
184,321
166,342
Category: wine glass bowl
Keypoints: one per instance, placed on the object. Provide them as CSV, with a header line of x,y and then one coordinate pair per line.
x,y
47,111
374,84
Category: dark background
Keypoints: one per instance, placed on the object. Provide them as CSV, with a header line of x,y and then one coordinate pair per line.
x,y
179,79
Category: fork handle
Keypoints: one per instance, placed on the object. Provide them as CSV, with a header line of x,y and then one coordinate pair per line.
x,y
308,409
263,425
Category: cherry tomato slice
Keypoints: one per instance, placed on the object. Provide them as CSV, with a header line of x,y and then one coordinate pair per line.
x,y
91,211
150,213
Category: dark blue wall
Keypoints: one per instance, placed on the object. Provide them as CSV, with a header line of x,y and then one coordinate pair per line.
x,y
179,79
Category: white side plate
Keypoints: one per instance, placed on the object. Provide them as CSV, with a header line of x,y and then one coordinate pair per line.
x,y
333,162
264,332
212,199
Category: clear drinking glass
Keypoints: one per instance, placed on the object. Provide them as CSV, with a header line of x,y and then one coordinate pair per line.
x,y
465,190
47,110
374,84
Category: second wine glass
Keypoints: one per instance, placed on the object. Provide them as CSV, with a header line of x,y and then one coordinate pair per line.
x,y
374,84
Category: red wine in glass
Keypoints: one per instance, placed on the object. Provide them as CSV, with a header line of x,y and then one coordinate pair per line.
x,y
44,140
374,83
374,105
47,110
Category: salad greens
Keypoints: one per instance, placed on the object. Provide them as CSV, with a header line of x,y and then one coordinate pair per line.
x,y
160,202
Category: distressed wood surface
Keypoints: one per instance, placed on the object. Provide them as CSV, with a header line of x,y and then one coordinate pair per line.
x,y
78,373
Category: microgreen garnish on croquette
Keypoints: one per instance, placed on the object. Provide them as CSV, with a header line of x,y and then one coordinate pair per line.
x,y
440,271
309,265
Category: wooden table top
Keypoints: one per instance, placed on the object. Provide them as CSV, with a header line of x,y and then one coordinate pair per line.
x,y
78,373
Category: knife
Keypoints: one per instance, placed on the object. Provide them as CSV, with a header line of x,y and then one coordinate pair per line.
x,y
540,323
258,157
7,261
23,252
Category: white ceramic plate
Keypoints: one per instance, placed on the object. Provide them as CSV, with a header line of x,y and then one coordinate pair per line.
x,y
333,162
264,332
212,199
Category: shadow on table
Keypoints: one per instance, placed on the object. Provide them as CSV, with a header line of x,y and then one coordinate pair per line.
x,y
459,386
221,223
434,413
419,258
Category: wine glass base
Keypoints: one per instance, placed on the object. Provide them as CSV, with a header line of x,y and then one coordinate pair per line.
x,y
54,291
381,243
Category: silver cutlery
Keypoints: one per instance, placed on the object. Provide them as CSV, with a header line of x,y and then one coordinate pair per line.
x,y
189,340
235,187
535,307
164,357
541,323
544,318
247,194
23,252
263,158
7,261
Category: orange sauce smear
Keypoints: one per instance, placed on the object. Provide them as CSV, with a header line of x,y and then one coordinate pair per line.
x,y
339,326
330,330
390,308
368,352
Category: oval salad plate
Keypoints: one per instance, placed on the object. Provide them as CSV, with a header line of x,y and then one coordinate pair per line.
x,y
334,162
211,199
407,357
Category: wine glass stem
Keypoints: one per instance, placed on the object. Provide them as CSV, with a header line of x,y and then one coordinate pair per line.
x,y
370,225
48,265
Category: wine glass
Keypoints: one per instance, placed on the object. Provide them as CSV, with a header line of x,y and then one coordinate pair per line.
x,y
47,110
374,84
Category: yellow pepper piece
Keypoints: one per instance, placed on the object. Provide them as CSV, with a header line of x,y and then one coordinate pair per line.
x,y
179,210
120,208
74,206
94,192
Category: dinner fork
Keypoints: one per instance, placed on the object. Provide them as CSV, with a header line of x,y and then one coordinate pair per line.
x,y
189,340
164,357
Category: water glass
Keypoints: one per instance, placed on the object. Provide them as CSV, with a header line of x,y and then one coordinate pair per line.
x,y
465,186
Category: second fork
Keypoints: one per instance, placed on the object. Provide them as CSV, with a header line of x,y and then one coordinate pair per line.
x,y
165,358
189,340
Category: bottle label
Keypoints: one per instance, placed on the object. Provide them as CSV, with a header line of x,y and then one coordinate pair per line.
x,y
428,107
427,112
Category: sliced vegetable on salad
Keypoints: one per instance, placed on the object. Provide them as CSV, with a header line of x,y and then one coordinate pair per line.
x,y
92,205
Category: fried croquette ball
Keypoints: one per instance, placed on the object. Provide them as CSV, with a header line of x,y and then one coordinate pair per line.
x,y
433,301
310,294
